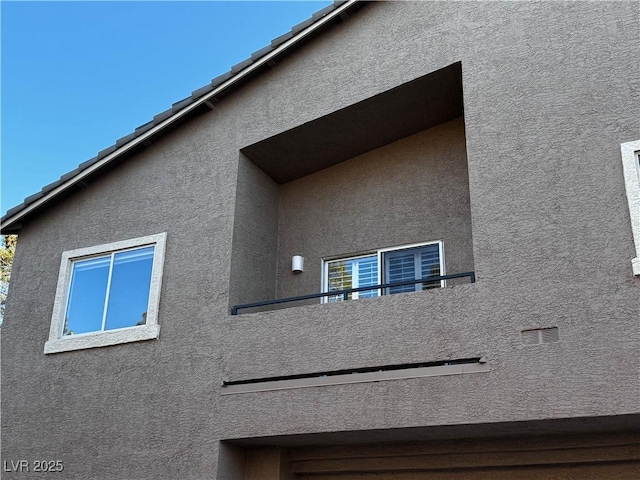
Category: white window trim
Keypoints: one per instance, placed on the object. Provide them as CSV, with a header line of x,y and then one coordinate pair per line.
x,y
631,166
150,330
379,253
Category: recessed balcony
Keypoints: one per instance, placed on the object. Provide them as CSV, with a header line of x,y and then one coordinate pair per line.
x,y
374,197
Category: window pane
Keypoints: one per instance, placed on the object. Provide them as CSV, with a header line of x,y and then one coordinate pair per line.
x,y
399,267
340,277
367,275
430,265
85,306
129,290
412,264
353,273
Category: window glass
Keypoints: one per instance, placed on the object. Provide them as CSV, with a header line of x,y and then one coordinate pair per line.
x,y
412,264
85,307
120,281
389,265
353,273
430,265
129,289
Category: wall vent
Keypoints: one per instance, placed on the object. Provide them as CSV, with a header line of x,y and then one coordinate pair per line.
x,y
540,335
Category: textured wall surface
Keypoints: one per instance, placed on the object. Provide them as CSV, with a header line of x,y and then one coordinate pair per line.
x,y
548,100
412,191
255,236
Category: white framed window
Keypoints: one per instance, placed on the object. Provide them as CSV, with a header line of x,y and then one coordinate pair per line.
x,y
631,166
386,265
107,295
351,272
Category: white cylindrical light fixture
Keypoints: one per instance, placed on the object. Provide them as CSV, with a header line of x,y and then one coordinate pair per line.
x,y
297,263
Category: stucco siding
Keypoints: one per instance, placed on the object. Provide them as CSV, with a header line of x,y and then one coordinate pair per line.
x,y
412,191
548,98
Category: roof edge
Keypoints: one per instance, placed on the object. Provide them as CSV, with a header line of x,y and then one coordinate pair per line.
x,y
10,223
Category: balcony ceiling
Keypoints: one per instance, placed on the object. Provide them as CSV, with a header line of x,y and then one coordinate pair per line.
x,y
387,117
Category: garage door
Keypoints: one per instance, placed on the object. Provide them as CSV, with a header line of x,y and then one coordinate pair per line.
x,y
584,457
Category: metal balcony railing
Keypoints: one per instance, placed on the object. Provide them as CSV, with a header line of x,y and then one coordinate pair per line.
x,y
345,293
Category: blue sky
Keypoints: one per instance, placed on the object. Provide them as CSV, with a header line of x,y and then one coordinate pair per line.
x,y
76,76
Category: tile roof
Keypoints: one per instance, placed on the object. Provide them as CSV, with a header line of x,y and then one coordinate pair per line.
x,y
257,56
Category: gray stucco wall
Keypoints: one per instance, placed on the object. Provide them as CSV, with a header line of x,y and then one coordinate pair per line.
x,y
414,190
411,191
548,99
255,236
121,412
